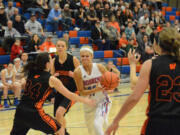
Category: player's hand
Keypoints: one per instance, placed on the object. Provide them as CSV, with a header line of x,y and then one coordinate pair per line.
x,y
112,128
71,74
133,57
90,102
56,74
61,131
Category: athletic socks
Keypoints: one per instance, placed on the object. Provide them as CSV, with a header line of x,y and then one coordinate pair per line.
x,y
16,101
6,103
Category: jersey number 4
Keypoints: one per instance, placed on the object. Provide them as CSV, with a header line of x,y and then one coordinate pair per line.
x,y
168,89
32,90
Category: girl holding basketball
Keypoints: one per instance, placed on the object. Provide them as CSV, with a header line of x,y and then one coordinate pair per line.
x,y
87,77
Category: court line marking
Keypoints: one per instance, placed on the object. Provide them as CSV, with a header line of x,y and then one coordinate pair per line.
x,y
120,95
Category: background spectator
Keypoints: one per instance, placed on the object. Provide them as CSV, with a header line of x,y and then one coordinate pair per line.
x,y
92,16
32,26
9,36
66,18
47,45
34,43
99,37
24,59
16,49
81,19
3,17
123,42
54,18
19,24
9,10
112,35
52,3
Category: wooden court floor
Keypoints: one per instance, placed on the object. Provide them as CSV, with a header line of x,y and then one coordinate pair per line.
x,y
130,125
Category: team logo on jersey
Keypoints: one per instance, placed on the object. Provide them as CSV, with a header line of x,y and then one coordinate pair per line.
x,y
36,76
172,66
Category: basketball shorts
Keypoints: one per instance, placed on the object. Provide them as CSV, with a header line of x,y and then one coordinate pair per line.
x,y
62,101
96,118
24,121
8,81
161,126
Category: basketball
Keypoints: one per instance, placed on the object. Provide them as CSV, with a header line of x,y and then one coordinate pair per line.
x,y
109,80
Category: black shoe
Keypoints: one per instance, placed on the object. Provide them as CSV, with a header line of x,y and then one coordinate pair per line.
x,y
116,90
66,133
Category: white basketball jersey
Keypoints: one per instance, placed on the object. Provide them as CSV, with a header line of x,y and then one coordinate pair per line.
x,y
7,75
90,81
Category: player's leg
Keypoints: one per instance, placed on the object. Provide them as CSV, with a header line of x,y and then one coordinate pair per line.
x,y
46,124
60,118
60,110
19,128
101,116
5,93
16,87
89,113
107,108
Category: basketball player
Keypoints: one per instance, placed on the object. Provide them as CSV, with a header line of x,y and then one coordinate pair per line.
x,y
29,113
8,83
163,75
20,79
87,78
63,68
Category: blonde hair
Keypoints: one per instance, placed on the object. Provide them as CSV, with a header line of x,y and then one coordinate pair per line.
x,y
170,41
87,48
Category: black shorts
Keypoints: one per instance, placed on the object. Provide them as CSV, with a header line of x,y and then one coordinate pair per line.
x,y
162,126
24,121
62,101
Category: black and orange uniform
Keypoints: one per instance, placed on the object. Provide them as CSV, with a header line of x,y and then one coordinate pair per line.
x,y
164,98
30,113
63,70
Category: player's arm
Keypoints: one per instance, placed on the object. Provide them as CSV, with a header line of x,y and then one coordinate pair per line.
x,y
80,86
52,67
102,68
3,78
116,71
57,84
133,60
133,99
76,62
13,77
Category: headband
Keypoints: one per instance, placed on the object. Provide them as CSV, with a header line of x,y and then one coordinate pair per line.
x,y
86,49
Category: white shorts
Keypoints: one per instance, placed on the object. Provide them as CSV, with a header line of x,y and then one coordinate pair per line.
x,y
96,118
8,81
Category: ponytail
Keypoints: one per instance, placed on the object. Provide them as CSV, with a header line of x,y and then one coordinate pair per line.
x,y
170,41
176,47
38,65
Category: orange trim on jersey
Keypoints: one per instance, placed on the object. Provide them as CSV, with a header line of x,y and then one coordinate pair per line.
x,y
72,102
65,73
143,130
144,127
46,118
69,106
